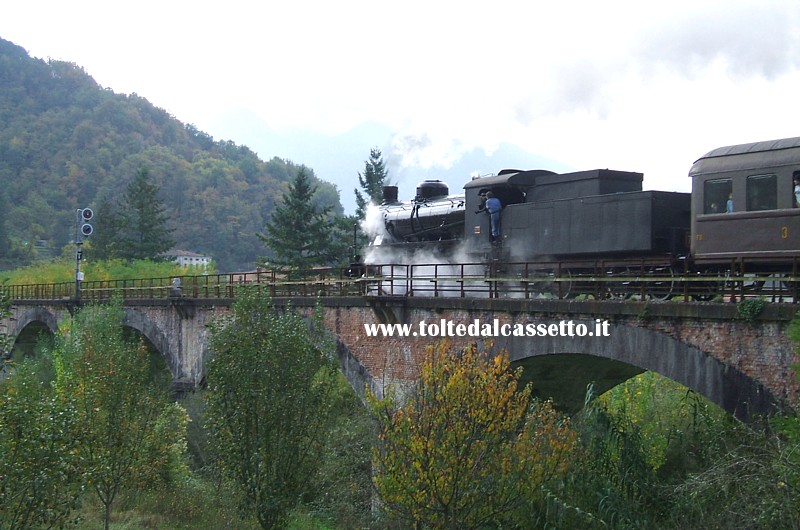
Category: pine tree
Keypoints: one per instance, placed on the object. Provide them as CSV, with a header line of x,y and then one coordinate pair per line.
x,y
299,234
371,181
107,240
4,243
144,222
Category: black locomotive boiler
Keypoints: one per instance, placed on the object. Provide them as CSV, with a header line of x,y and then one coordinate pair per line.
x,y
432,217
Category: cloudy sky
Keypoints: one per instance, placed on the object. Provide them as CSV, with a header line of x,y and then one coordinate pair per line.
x,y
629,85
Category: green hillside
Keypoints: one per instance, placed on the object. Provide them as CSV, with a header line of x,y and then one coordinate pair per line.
x,y
67,143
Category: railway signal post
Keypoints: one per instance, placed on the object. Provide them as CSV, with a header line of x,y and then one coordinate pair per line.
x,y
82,230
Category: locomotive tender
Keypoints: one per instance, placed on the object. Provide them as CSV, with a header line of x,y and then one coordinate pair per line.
x,y
742,208
578,215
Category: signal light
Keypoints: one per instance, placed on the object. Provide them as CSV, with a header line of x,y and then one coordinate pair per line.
x,y
84,228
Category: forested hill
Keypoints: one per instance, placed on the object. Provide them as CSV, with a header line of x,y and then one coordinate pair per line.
x,y
67,143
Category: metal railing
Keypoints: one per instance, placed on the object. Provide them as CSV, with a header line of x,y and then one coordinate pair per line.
x,y
317,282
644,279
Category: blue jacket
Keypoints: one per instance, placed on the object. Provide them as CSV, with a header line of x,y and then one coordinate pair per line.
x,y
494,205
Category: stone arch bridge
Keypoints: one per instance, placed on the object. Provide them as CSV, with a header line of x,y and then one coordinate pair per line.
x,y
745,366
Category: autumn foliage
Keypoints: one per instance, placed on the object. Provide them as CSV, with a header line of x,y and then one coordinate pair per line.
x,y
468,448
106,379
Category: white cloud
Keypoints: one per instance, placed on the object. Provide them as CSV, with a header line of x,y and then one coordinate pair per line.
x,y
622,84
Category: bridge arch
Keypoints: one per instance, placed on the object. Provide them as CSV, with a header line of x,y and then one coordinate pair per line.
x,y
643,349
356,373
140,322
28,327
35,315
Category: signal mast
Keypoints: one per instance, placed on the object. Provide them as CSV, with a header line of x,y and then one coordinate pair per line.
x,y
82,230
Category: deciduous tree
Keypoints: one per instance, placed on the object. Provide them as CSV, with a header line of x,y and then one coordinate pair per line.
x,y
39,483
268,404
39,464
465,450
107,380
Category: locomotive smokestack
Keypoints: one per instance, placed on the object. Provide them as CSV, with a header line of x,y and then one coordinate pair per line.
x,y
389,194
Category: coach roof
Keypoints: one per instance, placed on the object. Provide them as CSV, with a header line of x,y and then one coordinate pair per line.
x,y
770,153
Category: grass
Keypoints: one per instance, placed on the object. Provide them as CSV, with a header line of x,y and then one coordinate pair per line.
x,y
197,505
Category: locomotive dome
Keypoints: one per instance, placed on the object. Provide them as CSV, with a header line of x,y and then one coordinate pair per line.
x,y
428,189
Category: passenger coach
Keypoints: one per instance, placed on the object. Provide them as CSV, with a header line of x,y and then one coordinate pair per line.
x,y
743,204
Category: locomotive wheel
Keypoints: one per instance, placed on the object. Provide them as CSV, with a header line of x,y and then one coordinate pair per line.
x,y
550,284
755,282
656,283
663,286
707,291
790,288
564,287
622,289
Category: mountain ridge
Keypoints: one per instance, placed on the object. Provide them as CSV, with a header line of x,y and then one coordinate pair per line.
x,y
67,143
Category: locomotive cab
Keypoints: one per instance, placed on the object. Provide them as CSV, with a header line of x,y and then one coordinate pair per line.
x,y
510,186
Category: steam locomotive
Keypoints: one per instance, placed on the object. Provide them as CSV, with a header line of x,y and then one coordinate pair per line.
x,y
742,207
587,213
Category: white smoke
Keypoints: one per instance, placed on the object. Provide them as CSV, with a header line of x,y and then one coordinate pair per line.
x,y
425,273
373,225
418,271
400,270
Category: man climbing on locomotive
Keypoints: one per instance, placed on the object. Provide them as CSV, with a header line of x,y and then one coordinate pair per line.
x,y
494,207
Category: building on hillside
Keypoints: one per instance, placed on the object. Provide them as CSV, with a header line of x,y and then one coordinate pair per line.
x,y
185,258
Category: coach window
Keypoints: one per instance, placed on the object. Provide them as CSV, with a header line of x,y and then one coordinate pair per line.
x,y
796,189
716,194
762,193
